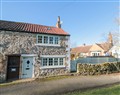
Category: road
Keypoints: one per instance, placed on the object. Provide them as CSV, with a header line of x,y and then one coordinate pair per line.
x,y
57,87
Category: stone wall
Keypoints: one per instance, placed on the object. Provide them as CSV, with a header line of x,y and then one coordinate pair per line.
x,y
25,43
97,69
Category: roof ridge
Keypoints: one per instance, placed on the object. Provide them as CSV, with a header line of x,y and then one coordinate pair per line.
x,y
28,23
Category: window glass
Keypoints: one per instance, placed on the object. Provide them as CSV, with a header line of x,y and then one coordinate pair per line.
x,y
61,61
50,61
55,61
39,39
45,39
44,61
56,40
50,40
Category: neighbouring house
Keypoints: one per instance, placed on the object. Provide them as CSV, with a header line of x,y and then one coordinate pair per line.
x,y
97,49
115,51
81,51
32,50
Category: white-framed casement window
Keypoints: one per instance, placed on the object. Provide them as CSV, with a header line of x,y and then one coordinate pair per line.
x,y
39,39
45,40
44,61
53,62
56,40
48,40
50,62
97,53
61,61
56,61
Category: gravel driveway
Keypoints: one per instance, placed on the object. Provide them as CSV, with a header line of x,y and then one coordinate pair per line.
x,y
57,87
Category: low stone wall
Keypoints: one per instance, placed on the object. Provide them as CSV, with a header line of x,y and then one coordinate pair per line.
x,y
97,69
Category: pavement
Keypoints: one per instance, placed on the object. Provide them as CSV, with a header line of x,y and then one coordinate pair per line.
x,y
57,87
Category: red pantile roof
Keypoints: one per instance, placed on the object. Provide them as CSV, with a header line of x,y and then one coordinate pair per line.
x,y
33,28
81,49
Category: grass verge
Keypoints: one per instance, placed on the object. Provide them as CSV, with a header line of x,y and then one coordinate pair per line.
x,y
53,78
16,82
112,90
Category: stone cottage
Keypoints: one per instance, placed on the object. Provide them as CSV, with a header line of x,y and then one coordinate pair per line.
x,y
31,50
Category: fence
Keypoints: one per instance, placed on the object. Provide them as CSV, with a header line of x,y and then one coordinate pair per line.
x,y
92,60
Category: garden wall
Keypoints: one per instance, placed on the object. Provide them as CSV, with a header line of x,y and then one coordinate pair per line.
x,y
97,69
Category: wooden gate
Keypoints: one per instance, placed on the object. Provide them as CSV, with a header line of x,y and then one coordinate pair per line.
x,y
13,67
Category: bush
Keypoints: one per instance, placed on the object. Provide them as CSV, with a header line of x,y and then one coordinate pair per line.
x,y
97,69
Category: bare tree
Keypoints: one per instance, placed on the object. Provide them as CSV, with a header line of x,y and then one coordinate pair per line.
x,y
116,34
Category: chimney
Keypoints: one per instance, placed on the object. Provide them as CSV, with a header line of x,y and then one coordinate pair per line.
x,y
84,44
110,39
58,24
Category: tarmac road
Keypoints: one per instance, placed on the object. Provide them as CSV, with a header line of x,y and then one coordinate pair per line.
x,y
57,87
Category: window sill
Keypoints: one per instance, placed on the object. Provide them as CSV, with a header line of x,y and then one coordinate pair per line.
x,y
58,45
50,67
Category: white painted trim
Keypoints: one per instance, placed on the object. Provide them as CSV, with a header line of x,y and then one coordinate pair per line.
x,y
49,67
58,45
51,56
33,67
28,55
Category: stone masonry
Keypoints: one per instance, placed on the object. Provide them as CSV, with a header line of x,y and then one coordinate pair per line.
x,y
25,43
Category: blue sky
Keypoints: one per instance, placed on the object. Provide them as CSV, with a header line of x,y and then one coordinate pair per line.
x,y
87,21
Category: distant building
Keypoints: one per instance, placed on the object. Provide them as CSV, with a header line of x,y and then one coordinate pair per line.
x,y
98,49
81,51
115,51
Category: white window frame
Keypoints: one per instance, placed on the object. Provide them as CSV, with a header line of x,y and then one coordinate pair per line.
x,y
53,58
95,53
38,38
61,61
43,61
48,44
56,63
51,42
45,41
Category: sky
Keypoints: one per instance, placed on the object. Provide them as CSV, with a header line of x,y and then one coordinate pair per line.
x,y
87,21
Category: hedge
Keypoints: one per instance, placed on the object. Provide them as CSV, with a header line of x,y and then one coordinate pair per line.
x,y
97,69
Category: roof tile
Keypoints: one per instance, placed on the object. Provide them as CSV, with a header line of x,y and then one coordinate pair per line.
x,y
27,27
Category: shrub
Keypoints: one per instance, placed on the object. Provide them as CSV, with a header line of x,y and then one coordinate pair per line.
x,y
97,69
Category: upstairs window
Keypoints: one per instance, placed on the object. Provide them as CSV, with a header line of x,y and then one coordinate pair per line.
x,y
39,39
45,39
48,40
56,40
